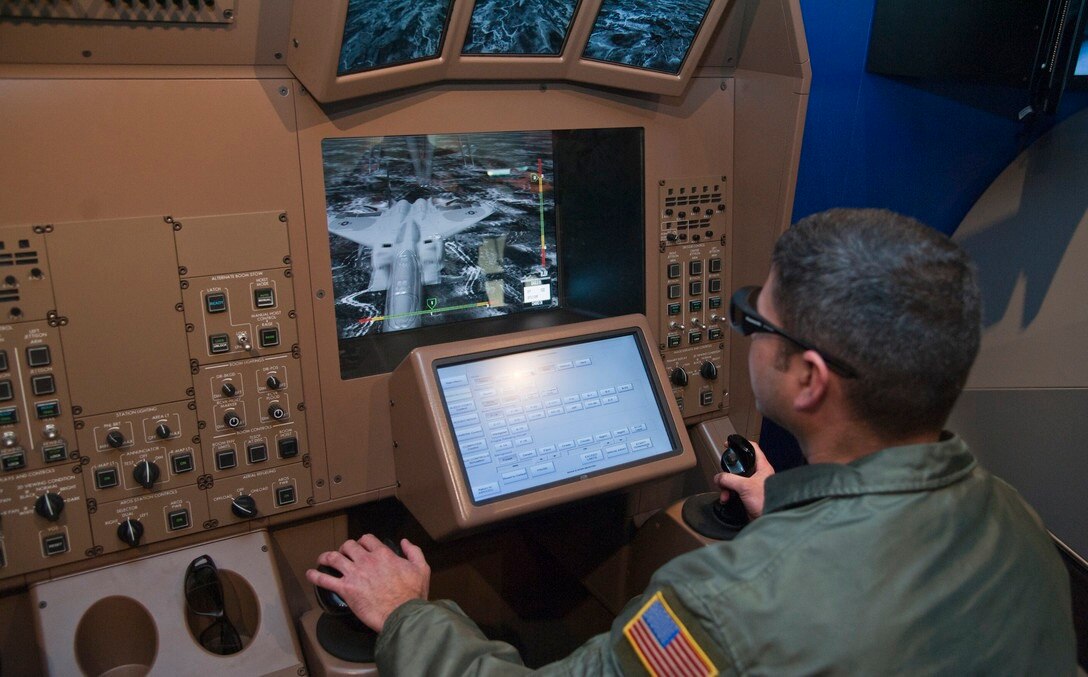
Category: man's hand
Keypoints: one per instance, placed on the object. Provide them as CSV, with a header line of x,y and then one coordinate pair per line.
x,y
375,580
748,489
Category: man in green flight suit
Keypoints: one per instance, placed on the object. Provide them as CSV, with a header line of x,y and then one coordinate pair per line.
x,y
892,551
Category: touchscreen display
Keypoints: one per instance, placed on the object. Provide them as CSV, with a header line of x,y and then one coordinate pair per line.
x,y
558,413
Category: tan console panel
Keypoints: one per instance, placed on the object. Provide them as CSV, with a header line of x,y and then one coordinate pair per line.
x,y
148,518
43,519
693,271
259,493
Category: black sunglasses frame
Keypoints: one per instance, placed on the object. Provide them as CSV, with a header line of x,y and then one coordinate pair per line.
x,y
204,597
744,319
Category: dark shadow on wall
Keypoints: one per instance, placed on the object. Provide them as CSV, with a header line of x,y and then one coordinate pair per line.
x,y
1032,241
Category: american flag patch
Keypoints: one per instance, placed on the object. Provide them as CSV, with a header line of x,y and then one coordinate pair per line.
x,y
663,644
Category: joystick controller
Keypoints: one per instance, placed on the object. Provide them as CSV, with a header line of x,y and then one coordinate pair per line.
x,y
338,631
706,513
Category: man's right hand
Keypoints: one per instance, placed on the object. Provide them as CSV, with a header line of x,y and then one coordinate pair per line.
x,y
748,489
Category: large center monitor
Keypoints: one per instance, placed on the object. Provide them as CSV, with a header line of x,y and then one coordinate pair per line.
x,y
530,421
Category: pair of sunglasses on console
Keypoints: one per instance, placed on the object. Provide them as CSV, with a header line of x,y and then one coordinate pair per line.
x,y
204,596
744,319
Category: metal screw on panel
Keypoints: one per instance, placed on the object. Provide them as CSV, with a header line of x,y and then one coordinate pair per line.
x,y
228,13
337,479
725,85
320,293
284,91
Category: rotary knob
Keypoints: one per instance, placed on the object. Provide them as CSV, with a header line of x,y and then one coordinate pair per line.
x,y
273,382
679,377
146,473
228,389
130,531
163,431
709,370
115,439
244,507
49,506
276,412
232,420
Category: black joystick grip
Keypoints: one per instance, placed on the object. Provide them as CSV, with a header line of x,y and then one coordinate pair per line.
x,y
331,603
739,457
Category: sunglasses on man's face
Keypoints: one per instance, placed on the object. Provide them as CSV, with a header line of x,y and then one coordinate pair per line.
x,y
744,318
204,597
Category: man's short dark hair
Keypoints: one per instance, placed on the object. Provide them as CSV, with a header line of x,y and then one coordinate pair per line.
x,y
894,299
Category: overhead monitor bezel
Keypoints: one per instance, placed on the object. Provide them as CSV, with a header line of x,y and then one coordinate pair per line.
x,y
317,30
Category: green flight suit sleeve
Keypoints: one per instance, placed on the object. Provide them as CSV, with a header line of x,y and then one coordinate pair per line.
x,y
437,638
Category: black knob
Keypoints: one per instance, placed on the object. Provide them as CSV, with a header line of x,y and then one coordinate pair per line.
x,y
679,377
244,506
232,420
115,439
228,389
49,506
273,382
276,411
130,531
163,431
709,371
146,473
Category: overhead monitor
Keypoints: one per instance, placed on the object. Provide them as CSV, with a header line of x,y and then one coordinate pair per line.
x,y
532,420
380,33
652,34
499,27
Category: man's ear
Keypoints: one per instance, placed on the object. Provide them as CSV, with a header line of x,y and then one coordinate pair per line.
x,y
813,381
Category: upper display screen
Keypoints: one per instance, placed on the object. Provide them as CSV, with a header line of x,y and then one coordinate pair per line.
x,y
1081,67
529,27
651,34
381,33
535,418
427,230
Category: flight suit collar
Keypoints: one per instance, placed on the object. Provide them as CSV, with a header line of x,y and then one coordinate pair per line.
x,y
917,467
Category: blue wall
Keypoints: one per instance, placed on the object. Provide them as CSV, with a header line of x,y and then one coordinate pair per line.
x,y
928,150
915,148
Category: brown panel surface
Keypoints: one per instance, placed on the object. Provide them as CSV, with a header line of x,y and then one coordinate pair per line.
x,y
214,245
134,269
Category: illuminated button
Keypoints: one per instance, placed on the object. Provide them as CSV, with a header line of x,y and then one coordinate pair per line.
x,y
285,496
715,265
54,453
38,356
674,340
269,337
215,303
3,360
706,398
714,285
674,271
715,302
225,459
257,453
9,416
695,306
288,447
674,309
57,544
178,519
695,336
182,463
6,393
43,385
218,343
264,297
106,478
695,268
16,460
674,291
695,288
50,409
714,333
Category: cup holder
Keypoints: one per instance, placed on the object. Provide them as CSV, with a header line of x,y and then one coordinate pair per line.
x,y
102,652
241,609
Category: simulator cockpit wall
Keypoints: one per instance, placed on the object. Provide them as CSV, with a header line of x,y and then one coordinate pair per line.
x,y
225,223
